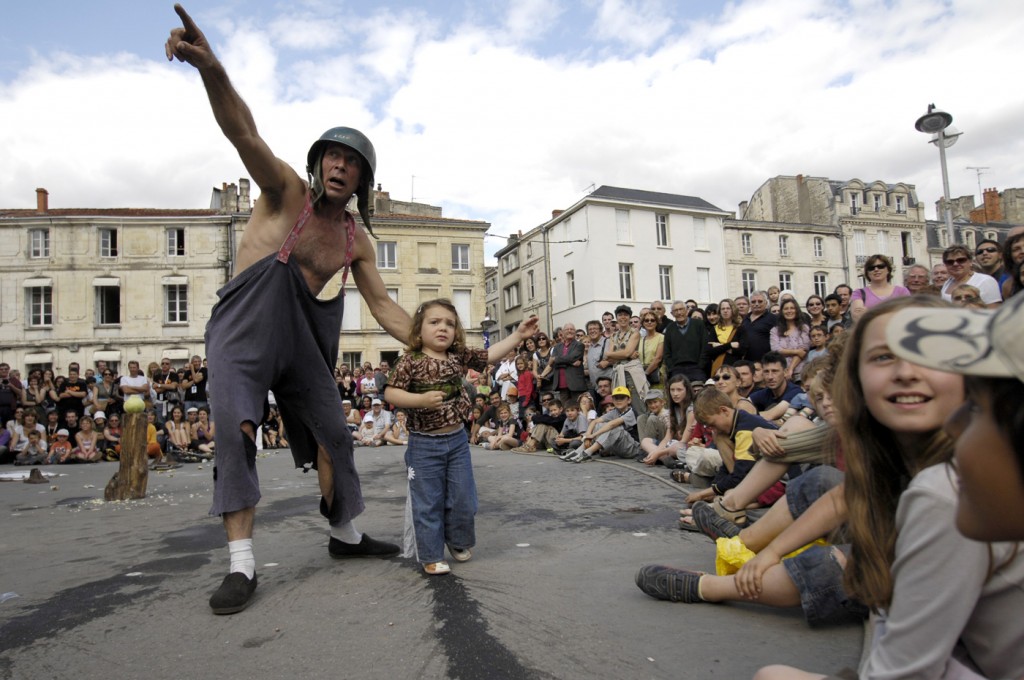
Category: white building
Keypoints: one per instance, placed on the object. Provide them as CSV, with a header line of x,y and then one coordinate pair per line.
x,y
628,246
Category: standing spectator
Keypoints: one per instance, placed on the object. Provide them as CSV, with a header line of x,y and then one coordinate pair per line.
x,y
596,344
989,256
347,386
658,307
368,383
539,361
834,313
34,398
815,307
958,262
165,385
758,327
685,345
135,383
10,392
1013,256
726,342
791,338
70,396
652,350
506,374
879,287
193,384
380,377
917,279
622,355
845,293
565,365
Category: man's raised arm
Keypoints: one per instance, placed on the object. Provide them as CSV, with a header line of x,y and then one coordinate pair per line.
x,y
188,44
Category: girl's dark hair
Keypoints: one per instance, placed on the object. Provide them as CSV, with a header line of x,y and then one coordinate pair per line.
x,y
1004,395
1008,264
677,412
801,319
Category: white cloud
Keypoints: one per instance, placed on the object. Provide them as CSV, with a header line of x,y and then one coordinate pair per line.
x,y
531,20
637,24
493,130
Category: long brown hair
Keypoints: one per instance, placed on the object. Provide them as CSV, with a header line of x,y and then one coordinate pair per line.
x,y
677,412
878,467
415,333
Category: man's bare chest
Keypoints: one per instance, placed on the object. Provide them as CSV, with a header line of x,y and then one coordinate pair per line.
x,y
320,252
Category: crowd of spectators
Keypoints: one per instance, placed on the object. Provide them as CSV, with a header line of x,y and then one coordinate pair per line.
x,y
77,418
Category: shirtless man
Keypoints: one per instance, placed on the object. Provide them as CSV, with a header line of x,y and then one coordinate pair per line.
x,y
297,239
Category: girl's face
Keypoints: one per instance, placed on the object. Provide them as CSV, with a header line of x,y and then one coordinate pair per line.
x,y
176,414
677,393
438,329
586,403
991,506
520,364
815,306
531,346
401,417
789,310
908,399
504,413
725,311
713,317
86,424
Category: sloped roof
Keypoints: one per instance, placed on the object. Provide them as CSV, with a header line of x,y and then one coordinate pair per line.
x,y
106,212
653,197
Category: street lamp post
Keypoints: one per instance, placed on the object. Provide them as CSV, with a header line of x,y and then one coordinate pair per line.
x,y
935,123
486,325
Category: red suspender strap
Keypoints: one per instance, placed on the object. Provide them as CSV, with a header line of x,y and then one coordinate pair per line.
x,y
286,249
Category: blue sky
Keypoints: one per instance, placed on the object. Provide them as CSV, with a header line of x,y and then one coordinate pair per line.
x,y
503,111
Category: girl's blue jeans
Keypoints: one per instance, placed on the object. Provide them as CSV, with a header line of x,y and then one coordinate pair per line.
x,y
442,492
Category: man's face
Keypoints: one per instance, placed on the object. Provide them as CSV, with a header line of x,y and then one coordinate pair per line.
x,y
758,305
746,378
609,321
916,279
939,274
680,312
342,169
742,306
165,366
384,367
604,387
988,255
197,362
376,408
495,398
568,332
73,374
774,375
593,330
659,310
347,407
844,293
833,308
758,374
71,417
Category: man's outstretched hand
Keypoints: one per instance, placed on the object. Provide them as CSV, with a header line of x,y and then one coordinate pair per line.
x,y
188,43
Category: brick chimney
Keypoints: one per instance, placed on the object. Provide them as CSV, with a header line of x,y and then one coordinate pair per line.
x,y
990,210
42,200
243,195
556,213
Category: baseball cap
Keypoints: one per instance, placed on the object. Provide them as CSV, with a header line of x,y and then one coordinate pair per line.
x,y
99,415
654,394
621,392
965,340
368,418
710,382
62,431
376,402
192,410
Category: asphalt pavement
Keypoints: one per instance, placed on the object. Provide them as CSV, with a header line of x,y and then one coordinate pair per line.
x,y
90,589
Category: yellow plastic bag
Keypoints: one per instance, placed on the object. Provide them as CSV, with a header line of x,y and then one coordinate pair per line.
x,y
731,554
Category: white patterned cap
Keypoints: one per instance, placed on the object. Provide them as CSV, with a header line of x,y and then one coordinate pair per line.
x,y
981,342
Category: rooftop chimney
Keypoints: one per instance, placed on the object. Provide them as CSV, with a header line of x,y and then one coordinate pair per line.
x,y
556,213
42,200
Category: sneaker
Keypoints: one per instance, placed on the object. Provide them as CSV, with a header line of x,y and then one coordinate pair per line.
x,y
436,568
234,593
668,583
711,524
367,547
460,554
567,454
583,457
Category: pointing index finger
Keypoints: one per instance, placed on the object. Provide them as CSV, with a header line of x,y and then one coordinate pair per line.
x,y
186,20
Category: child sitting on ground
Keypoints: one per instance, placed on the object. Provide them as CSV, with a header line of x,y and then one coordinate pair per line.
x,y
60,449
573,429
365,435
545,429
613,434
34,452
504,437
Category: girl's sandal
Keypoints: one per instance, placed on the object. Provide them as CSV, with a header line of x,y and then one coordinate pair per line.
x,y
737,517
437,568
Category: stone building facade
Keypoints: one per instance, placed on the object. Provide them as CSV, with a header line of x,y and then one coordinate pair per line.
x,y
810,234
84,285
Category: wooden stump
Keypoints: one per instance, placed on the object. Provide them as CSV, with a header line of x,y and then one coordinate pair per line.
x,y
131,478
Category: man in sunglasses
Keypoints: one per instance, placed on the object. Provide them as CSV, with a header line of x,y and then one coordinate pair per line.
x,y
988,256
958,263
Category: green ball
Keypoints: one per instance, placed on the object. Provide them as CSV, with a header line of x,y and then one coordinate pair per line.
x,y
134,404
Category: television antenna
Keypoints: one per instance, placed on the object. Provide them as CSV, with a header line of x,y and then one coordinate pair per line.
x,y
979,170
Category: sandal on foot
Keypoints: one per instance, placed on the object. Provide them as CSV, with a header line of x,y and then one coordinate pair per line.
x,y
737,517
686,523
437,568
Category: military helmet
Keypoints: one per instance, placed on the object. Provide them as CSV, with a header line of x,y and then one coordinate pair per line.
x,y
356,140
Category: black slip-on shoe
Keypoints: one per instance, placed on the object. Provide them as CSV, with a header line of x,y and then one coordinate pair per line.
x,y
367,547
234,593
